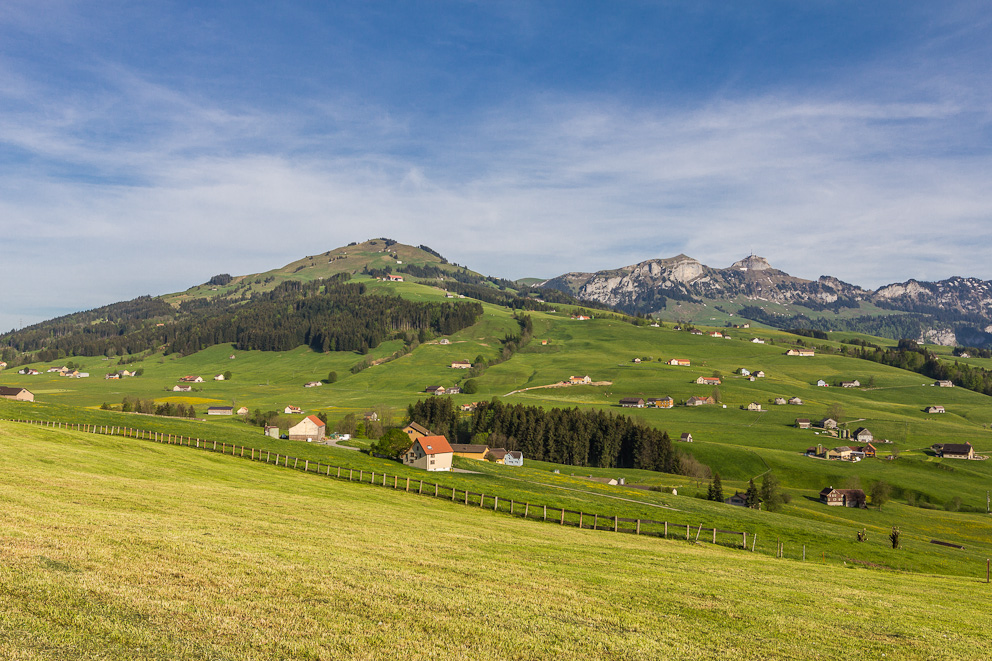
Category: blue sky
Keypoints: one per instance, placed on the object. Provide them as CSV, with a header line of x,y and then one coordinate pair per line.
x,y
145,148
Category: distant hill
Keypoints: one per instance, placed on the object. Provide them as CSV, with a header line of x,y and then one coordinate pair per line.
x,y
953,311
326,311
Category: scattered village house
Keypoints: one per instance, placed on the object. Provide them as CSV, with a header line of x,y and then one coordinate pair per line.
x,y
470,451
271,431
934,409
496,455
956,451
850,384
218,377
312,384
760,374
828,423
800,352
220,410
431,453
740,500
632,402
370,416
681,362
660,403
686,437
182,388
780,401
698,401
803,423
708,381
243,410
513,458
944,384
753,406
862,435
795,401
394,278
310,428
17,394
822,384
579,380
293,410
843,497
435,390
191,379
461,365
415,431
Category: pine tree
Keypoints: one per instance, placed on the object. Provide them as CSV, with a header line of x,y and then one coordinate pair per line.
x,y
770,493
751,497
716,488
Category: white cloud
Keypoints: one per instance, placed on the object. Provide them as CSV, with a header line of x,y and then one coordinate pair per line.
x,y
140,189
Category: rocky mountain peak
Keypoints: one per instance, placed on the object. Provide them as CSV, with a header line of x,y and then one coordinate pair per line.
x,y
752,263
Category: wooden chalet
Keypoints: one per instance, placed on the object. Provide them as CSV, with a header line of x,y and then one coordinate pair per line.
x,y
843,497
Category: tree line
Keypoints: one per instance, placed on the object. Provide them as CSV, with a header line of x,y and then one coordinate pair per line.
x,y
329,315
567,436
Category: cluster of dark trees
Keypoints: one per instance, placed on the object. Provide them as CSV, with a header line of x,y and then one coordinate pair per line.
x,y
567,436
331,315
220,280
149,407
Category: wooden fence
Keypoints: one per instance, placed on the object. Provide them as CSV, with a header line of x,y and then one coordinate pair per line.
x,y
494,502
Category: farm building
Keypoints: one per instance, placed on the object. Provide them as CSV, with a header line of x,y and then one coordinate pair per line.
x,y
862,435
686,437
415,431
514,458
271,431
191,379
934,409
182,388
802,423
243,410
470,451
293,410
17,394
740,500
313,384
780,401
220,410
680,362
579,380
698,401
661,403
850,384
218,377
461,365
708,381
944,384
435,390
828,423
496,455
795,401
310,428
632,402
431,453
800,352
956,451
843,497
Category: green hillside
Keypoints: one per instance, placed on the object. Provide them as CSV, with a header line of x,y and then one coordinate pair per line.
x,y
931,498
125,549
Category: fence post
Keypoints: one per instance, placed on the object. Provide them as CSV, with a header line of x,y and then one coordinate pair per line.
x,y
595,522
396,481
482,499
268,454
545,512
466,496
373,477
638,526
714,535
687,532
350,473
420,489
495,503
615,522
435,489
745,540
526,509
580,520
407,484
339,472
563,516
804,553
306,465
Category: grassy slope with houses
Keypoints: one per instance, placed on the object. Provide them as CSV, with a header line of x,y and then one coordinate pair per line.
x,y
147,551
737,443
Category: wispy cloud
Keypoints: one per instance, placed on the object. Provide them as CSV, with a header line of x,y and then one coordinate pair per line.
x,y
132,185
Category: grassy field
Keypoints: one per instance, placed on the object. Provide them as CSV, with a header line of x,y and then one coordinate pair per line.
x,y
737,443
120,549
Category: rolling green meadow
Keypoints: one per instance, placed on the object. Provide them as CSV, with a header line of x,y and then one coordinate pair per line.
x,y
124,548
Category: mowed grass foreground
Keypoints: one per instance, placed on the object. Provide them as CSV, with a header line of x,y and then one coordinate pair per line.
x,y
113,549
